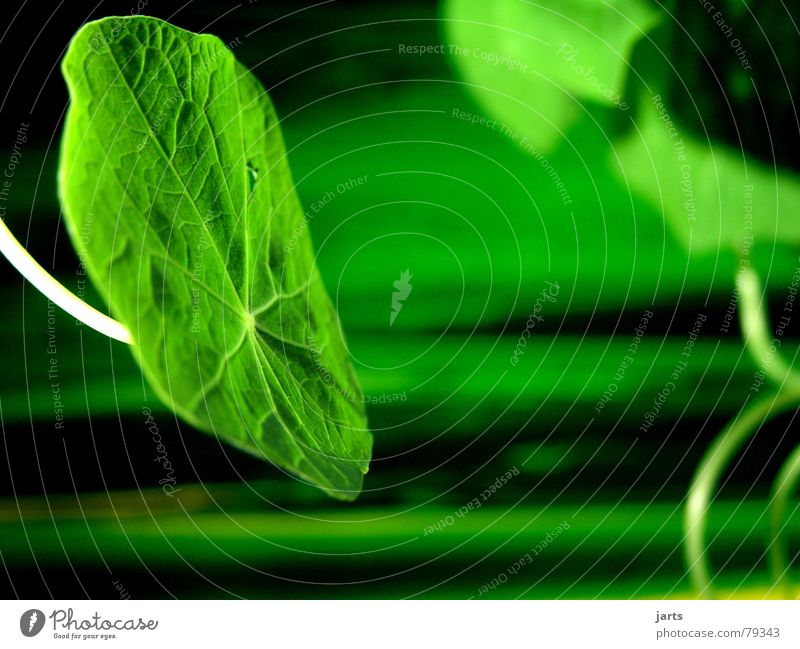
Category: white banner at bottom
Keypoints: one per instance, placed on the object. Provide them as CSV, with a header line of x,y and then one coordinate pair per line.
x,y
390,624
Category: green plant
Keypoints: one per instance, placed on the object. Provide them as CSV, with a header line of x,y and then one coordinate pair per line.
x,y
590,56
177,194
783,396
529,65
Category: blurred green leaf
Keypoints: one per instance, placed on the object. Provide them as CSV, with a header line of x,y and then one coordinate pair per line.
x,y
529,64
711,196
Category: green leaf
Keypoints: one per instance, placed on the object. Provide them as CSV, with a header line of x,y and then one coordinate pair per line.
x,y
712,196
529,64
178,196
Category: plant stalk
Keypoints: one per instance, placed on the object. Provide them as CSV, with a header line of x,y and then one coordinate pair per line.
x,y
56,292
782,490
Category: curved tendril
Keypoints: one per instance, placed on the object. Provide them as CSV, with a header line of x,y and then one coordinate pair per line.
x,y
56,292
756,332
782,490
713,465
759,342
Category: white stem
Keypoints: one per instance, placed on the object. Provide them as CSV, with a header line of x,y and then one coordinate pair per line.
x,y
56,292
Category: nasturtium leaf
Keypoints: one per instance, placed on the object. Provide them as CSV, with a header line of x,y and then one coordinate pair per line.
x,y
529,64
177,193
711,196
